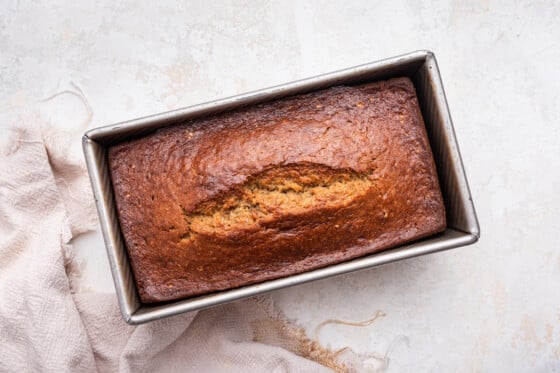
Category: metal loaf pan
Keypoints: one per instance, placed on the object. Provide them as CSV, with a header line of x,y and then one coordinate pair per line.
x,y
420,66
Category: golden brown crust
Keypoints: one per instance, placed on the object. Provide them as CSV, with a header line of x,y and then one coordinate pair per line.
x,y
276,189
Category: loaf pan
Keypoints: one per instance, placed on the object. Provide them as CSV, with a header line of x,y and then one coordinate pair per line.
x,y
421,67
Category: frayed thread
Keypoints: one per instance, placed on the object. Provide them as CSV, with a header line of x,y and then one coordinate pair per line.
x,y
368,322
80,95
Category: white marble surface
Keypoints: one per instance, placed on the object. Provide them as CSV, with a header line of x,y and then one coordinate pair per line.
x,y
491,307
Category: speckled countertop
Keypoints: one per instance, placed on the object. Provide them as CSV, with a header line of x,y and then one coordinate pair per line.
x,y
492,307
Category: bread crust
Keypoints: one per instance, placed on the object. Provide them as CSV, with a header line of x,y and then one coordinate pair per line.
x,y
275,189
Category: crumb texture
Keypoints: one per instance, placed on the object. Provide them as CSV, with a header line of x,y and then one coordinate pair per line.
x,y
295,190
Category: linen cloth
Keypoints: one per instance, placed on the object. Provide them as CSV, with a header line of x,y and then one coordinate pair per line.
x,y
45,201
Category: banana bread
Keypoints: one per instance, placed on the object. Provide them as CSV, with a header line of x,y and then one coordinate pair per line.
x,y
275,189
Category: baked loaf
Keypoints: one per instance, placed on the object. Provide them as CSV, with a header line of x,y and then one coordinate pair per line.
x,y
275,189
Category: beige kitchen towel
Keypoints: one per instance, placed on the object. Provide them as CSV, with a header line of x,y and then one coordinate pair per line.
x,y
45,201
